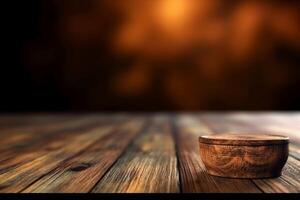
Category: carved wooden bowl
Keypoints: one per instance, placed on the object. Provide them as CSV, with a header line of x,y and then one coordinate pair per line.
x,y
244,155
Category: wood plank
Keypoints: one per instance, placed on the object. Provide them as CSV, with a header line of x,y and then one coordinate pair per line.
x,y
20,155
37,136
295,151
20,136
192,170
149,165
81,172
16,134
17,121
29,123
42,138
288,182
88,153
22,176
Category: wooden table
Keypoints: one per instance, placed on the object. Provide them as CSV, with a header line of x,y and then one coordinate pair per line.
x,y
131,152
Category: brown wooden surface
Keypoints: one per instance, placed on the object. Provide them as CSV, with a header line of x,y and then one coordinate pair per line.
x,y
132,152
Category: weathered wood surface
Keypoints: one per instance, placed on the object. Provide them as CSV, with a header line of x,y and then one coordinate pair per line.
x,y
149,165
132,152
87,167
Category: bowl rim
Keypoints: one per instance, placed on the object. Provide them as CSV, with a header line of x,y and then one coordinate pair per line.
x,y
244,139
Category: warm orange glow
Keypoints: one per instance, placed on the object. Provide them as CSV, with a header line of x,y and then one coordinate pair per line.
x,y
193,53
157,26
167,30
173,15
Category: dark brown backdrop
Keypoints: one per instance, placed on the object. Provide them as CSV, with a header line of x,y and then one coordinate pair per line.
x,y
152,55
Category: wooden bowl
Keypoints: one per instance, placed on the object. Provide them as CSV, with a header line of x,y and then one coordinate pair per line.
x,y
244,155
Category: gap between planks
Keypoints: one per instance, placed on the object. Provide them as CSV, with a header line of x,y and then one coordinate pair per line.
x,y
174,135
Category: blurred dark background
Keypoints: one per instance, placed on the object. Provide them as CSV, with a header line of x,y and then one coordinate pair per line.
x,y
151,55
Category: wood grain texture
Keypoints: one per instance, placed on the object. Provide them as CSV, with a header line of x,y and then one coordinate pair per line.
x,y
192,170
81,172
149,165
288,182
26,135
122,152
44,141
236,161
46,158
245,123
295,151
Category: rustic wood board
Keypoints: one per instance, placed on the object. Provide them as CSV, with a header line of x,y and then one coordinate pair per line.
x,y
148,166
45,158
125,152
45,138
86,168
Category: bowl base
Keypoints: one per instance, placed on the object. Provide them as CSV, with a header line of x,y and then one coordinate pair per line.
x,y
245,175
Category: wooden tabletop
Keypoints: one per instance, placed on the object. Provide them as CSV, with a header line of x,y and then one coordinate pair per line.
x,y
132,152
